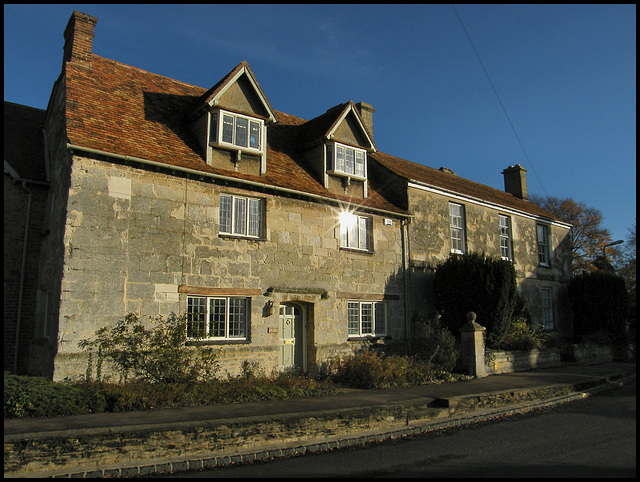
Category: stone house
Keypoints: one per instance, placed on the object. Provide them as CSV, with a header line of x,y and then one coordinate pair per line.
x,y
285,241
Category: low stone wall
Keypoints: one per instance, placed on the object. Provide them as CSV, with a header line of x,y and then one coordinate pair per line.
x,y
587,354
519,361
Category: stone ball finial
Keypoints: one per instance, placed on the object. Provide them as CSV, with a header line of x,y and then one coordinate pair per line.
x,y
471,316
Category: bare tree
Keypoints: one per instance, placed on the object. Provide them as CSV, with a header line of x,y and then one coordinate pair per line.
x,y
588,237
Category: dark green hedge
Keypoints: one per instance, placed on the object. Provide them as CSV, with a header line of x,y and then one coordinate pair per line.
x,y
599,303
476,282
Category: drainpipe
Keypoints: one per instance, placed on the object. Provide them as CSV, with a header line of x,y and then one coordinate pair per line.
x,y
22,274
404,224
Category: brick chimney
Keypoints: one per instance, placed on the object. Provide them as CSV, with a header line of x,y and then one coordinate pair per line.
x,y
366,113
515,181
78,39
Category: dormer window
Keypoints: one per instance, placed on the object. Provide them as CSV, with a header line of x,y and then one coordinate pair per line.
x,y
235,131
346,160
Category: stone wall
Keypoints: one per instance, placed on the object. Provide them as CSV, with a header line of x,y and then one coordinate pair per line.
x,y
138,240
430,242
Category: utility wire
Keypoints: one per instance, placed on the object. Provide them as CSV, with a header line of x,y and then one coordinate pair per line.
x,y
498,97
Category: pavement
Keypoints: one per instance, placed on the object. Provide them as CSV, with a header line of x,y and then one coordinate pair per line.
x,y
424,408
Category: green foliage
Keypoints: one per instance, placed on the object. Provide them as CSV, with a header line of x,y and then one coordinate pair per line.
x,y
478,283
523,336
436,344
37,397
371,370
158,354
599,303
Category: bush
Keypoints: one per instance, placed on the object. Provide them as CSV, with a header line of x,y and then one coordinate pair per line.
x,y
158,354
370,370
436,344
478,283
26,396
523,336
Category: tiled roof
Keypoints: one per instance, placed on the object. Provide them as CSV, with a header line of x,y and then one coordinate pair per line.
x,y
451,182
24,141
130,112
127,111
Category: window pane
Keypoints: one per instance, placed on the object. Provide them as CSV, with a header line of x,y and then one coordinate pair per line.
x,y
255,217
359,163
240,216
352,235
217,316
353,314
349,161
196,311
225,214
241,131
362,233
213,129
329,157
237,317
543,248
367,318
505,237
254,135
227,128
339,158
381,319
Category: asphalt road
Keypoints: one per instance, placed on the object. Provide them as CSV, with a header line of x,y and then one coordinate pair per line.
x,y
594,437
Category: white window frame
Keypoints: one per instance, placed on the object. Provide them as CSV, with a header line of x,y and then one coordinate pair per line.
x,y
506,243
344,160
366,318
218,133
355,232
244,216
542,240
457,228
237,307
546,305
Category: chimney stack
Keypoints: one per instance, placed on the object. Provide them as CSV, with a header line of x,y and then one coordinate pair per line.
x,y
78,39
366,113
515,181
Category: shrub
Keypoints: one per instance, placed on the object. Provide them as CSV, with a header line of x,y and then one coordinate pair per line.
x,y
158,354
371,370
26,396
523,336
478,283
436,344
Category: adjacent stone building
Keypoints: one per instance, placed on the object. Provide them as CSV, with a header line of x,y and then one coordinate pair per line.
x,y
286,241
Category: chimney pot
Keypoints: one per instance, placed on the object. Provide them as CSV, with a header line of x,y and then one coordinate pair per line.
x,y
515,181
78,39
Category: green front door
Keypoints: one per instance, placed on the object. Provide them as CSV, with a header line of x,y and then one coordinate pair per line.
x,y
291,338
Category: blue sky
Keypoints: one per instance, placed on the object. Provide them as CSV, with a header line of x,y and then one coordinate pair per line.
x,y
565,74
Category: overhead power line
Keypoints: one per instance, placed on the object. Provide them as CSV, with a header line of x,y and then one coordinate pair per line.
x,y
500,101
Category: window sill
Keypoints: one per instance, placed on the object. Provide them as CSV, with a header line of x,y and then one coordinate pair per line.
x,y
206,342
356,250
240,236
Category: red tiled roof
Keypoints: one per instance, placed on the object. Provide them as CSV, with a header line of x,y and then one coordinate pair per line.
x,y
130,112
451,182
24,141
127,111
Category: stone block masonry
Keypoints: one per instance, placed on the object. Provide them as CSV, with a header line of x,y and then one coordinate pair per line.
x,y
138,240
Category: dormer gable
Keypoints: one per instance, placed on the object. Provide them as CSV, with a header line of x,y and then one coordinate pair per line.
x,y
337,144
230,122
